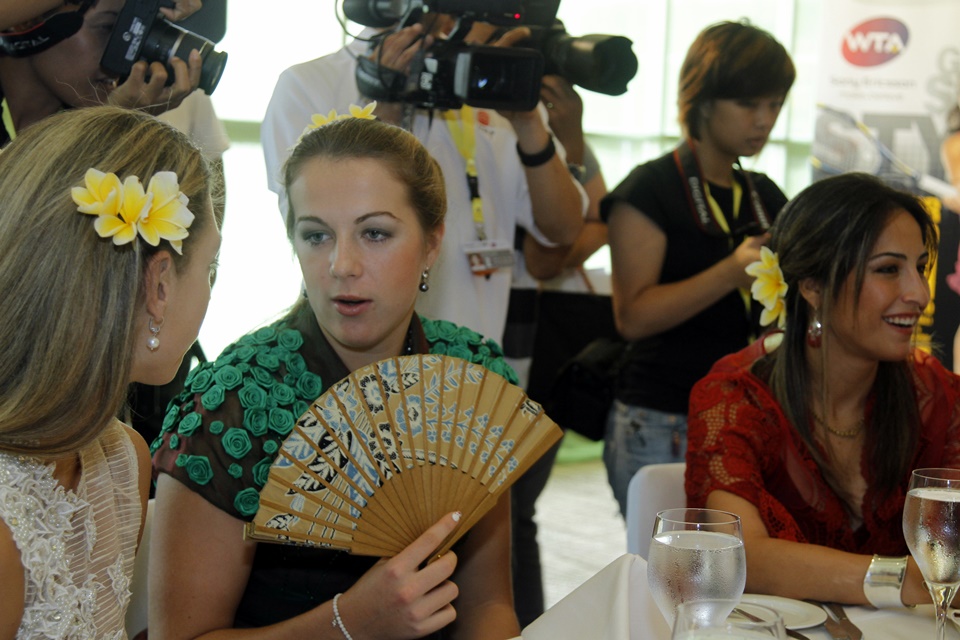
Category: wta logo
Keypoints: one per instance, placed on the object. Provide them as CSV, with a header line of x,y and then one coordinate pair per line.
x,y
874,42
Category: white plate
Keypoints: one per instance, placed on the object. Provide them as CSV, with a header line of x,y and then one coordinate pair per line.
x,y
795,613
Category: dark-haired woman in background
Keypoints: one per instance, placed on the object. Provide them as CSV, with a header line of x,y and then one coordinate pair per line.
x,y
682,228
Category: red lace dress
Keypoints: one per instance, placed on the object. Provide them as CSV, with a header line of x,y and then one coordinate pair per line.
x,y
740,441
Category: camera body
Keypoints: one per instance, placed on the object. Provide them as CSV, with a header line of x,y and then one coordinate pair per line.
x,y
141,33
451,72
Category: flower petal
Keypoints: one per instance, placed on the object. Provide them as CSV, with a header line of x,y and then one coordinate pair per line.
x,y
148,232
127,234
174,211
365,113
136,202
100,195
164,187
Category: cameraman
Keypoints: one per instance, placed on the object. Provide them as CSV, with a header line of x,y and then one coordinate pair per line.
x,y
68,73
539,194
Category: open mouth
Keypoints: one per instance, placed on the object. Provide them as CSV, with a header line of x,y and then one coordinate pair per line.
x,y
350,305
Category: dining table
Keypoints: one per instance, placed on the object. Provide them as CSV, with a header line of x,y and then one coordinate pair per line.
x,y
616,604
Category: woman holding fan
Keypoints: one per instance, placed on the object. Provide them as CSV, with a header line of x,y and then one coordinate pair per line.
x,y
367,208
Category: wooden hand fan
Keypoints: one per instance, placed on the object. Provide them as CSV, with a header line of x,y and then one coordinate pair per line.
x,y
387,451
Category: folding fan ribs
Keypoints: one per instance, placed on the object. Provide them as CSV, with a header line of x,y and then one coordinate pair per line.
x,y
387,451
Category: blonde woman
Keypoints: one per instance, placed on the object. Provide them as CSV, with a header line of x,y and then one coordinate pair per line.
x,y
367,205
103,284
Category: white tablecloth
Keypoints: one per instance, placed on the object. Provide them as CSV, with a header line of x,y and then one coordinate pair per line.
x,y
616,604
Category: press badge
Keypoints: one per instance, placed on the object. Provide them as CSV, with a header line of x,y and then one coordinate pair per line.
x,y
486,256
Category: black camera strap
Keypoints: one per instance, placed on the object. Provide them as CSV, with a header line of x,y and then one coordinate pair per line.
x,y
706,212
52,29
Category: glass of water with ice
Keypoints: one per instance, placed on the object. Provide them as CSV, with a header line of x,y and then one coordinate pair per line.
x,y
697,555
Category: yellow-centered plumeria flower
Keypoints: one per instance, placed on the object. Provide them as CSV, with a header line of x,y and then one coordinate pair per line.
x,y
769,288
317,120
125,210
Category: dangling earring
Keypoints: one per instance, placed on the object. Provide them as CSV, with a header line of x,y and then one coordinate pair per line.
x,y
424,286
153,342
815,330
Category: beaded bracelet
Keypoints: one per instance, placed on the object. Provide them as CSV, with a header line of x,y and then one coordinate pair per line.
x,y
884,580
337,620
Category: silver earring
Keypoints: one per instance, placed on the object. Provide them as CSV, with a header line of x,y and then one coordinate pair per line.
x,y
815,330
424,285
153,342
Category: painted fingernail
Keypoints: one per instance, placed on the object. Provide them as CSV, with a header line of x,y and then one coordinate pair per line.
x,y
456,516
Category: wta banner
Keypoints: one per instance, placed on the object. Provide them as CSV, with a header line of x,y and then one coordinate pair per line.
x,y
890,71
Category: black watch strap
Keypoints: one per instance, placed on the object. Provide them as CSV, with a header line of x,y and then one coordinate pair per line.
x,y
539,158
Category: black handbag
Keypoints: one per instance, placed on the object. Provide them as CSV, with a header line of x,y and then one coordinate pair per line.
x,y
585,387
577,353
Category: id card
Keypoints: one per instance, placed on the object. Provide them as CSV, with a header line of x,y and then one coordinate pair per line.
x,y
487,256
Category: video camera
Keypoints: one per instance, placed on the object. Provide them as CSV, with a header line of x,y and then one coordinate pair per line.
x,y
452,72
141,32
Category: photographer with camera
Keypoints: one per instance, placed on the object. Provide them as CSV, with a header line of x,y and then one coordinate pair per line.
x,y
53,62
507,159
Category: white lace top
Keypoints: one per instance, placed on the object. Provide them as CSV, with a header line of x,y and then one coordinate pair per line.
x,y
77,548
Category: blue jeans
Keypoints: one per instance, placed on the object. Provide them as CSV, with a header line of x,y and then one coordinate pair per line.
x,y
637,436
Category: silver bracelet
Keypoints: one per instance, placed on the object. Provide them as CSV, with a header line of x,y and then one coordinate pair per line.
x,y
884,580
337,620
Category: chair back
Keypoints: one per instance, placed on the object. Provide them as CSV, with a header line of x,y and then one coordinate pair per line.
x,y
136,620
653,488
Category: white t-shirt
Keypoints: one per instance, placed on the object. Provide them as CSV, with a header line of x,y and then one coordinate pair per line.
x,y
196,118
455,294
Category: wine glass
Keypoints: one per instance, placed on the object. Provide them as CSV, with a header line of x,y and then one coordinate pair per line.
x,y
931,526
696,554
763,623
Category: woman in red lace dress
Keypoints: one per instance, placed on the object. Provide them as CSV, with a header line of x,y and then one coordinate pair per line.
x,y
812,442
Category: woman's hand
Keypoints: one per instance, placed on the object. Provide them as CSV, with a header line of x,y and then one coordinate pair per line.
x,y
400,597
153,96
748,252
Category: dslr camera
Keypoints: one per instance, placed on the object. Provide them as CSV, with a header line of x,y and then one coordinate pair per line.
x,y
142,33
451,72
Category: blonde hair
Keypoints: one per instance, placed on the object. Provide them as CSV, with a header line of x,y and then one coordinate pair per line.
x,y
70,298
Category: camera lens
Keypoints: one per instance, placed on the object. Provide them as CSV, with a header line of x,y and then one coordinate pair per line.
x,y
166,40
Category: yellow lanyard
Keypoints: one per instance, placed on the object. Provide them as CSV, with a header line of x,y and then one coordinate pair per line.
x,y
464,137
722,222
8,120
718,212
